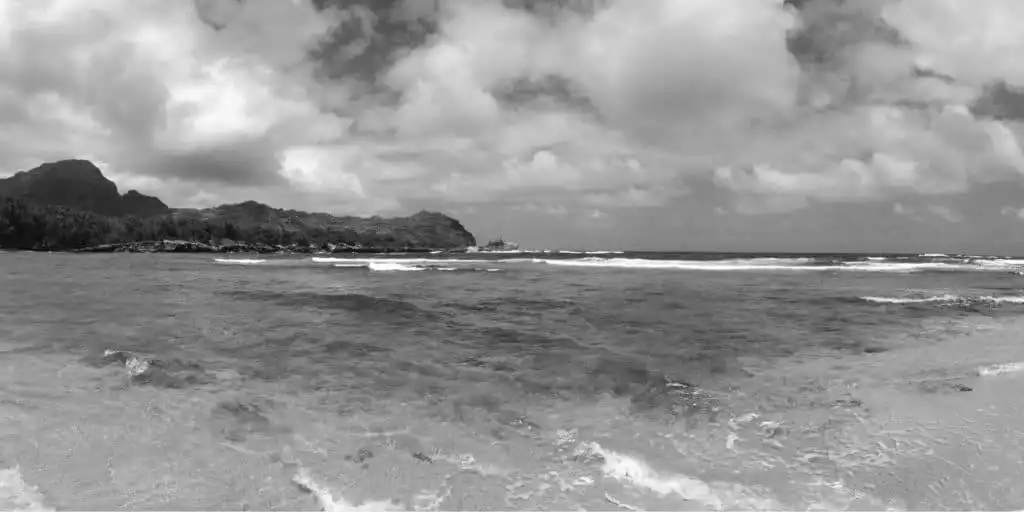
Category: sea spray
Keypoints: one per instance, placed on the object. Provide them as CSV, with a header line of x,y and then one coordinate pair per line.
x,y
330,503
17,495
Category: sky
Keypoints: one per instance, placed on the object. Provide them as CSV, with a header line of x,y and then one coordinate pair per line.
x,y
753,125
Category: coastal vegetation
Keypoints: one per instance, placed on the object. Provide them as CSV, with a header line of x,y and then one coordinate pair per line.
x,y
70,205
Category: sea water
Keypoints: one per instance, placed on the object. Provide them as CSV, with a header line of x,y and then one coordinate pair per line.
x,y
551,381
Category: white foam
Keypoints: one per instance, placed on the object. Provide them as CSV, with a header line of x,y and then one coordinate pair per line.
x,y
322,259
999,369
390,266
908,300
590,259
329,503
637,473
874,266
584,252
1000,264
239,261
18,496
135,364
946,298
797,264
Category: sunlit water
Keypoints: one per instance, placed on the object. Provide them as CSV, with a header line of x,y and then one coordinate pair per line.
x,y
509,382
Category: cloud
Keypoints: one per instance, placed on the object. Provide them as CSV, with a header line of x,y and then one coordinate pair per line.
x,y
590,105
1010,211
888,107
946,213
540,208
568,100
151,88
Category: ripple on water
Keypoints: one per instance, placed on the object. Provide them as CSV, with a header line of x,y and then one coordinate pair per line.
x,y
562,396
838,447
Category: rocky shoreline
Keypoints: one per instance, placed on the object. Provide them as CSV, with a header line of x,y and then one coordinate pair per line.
x,y
188,246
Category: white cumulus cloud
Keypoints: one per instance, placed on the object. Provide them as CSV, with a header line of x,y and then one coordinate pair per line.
x,y
594,106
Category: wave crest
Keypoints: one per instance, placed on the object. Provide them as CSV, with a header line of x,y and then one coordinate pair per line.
x,y
947,299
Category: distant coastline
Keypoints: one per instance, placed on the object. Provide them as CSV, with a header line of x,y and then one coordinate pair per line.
x,y
191,246
70,206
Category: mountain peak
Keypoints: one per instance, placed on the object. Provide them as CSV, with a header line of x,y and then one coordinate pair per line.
x,y
72,168
140,205
79,184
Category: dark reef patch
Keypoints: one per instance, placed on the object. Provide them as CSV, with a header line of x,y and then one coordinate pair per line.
x,y
237,420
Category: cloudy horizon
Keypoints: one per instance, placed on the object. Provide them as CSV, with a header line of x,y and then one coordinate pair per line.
x,y
815,125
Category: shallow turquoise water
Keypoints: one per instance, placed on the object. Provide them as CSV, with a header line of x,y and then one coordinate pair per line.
x,y
533,386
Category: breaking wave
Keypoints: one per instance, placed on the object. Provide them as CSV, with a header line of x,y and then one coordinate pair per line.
x,y
389,266
924,263
394,266
636,473
364,261
586,252
591,463
882,264
947,299
721,265
238,261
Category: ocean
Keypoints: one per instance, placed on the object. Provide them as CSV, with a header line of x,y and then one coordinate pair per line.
x,y
549,381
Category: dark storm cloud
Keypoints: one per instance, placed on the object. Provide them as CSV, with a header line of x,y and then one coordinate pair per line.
x,y
1000,101
830,27
549,88
218,14
248,164
372,35
553,9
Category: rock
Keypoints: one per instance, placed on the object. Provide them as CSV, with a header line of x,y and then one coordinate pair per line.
x,y
516,420
942,387
588,453
169,373
847,403
362,455
772,430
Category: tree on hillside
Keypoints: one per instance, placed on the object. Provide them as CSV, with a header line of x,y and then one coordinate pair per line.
x,y
26,225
